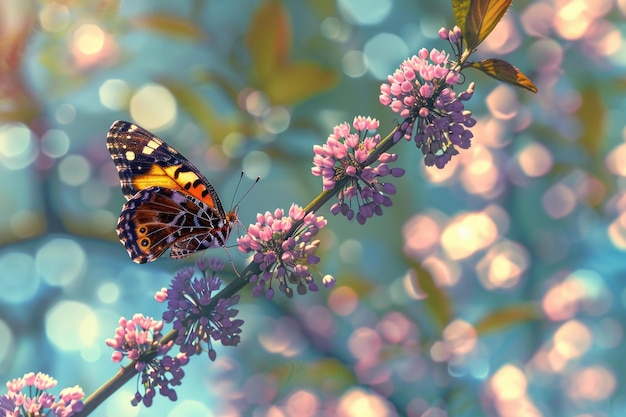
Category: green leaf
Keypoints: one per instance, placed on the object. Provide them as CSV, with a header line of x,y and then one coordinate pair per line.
x,y
297,82
481,18
216,126
592,118
507,317
437,301
269,39
269,42
503,71
460,8
169,25
329,372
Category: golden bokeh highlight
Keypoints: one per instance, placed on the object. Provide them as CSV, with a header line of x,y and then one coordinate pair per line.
x,y
503,265
467,234
88,39
359,403
509,383
508,392
570,341
153,107
480,175
91,46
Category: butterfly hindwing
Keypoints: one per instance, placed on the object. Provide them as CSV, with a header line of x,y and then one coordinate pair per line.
x,y
170,203
158,218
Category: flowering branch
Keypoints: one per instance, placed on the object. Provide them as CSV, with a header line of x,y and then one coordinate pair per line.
x,y
282,245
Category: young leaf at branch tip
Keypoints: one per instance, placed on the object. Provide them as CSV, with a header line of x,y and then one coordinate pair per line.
x,y
478,18
503,71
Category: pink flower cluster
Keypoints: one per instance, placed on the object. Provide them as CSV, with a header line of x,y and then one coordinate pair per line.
x,y
135,337
422,91
36,401
284,251
345,155
136,340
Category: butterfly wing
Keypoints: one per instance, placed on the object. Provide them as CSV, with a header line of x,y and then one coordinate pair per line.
x,y
143,160
158,218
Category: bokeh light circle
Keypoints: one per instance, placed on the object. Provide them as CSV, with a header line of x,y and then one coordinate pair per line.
x,y
17,147
153,107
60,261
114,94
190,408
383,53
258,163
8,343
71,325
364,12
55,143
18,280
354,64
54,16
74,170
108,292
89,39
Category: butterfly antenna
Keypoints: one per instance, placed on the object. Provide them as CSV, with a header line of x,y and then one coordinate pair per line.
x,y
232,202
244,194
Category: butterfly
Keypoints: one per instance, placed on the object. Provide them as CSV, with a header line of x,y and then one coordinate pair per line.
x,y
170,203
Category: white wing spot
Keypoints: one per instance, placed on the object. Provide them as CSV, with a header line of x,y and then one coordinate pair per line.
x,y
130,155
151,146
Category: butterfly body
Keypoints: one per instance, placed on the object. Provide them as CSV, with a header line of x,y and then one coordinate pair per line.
x,y
170,203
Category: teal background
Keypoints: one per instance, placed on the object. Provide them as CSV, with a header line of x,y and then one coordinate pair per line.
x,y
545,172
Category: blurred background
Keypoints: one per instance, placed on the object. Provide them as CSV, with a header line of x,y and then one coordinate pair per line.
x,y
493,287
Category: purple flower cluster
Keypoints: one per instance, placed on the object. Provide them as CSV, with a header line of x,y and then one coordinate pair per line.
x,y
189,308
284,250
422,90
36,401
138,339
346,155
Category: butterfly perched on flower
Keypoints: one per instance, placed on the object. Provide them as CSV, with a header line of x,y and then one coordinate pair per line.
x,y
170,203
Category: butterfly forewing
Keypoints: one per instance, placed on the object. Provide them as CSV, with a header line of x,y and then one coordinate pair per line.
x,y
144,160
170,203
